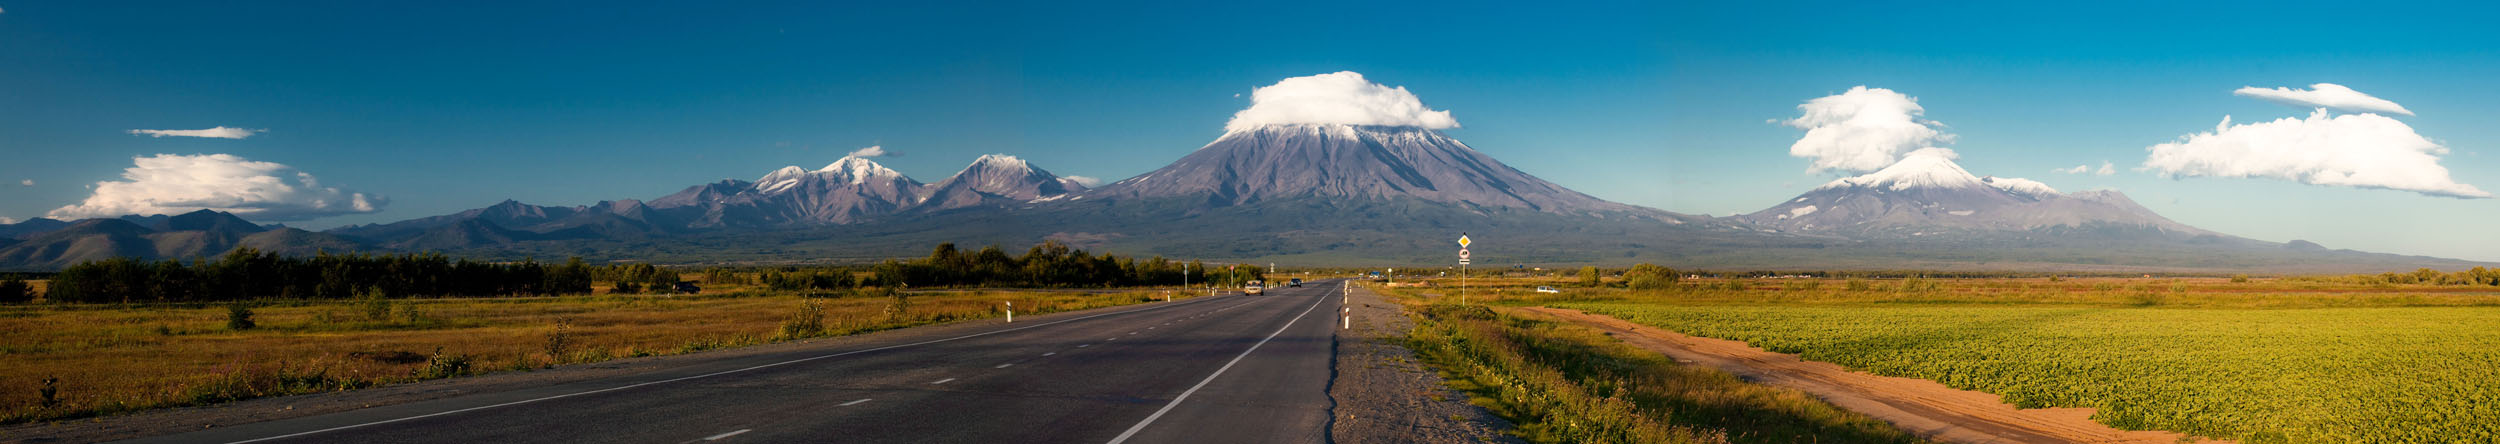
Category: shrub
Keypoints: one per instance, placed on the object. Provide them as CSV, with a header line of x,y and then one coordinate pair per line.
x,y
239,316
1859,285
899,308
1650,277
809,321
2239,278
443,366
377,308
1916,284
557,339
1588,277
16,291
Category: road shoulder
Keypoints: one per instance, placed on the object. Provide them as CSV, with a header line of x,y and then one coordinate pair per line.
x,y
1383,394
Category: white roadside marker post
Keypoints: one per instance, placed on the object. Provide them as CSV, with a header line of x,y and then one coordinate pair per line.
x,y
1349,318
1011,312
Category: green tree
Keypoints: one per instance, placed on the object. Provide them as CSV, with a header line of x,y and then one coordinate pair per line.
x,y
16,291
1650,277
1588,276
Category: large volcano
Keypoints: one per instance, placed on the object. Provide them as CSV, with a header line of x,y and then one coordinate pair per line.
x,y
1279,162
1926,194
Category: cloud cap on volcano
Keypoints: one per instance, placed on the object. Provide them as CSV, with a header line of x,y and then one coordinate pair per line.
x,y
1339,98
1862,130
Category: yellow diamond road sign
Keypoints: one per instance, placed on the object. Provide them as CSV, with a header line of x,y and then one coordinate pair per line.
x,y
1462,241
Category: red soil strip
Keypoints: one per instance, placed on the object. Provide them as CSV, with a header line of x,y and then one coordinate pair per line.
x,y
1922,407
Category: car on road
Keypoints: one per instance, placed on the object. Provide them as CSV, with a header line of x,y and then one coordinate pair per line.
x,y
1254,288
1547,290
1296,283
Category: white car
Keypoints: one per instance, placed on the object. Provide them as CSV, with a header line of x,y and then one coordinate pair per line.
x,y
1547,290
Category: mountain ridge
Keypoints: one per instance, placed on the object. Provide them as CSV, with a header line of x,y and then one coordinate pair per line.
x,y
1316,194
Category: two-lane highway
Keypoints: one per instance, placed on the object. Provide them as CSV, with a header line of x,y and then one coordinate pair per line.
x,y
1208,370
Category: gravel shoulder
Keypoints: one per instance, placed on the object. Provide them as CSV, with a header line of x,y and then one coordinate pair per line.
x,y
1922,407
1383,394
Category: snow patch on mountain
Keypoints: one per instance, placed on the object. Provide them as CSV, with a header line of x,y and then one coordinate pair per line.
x,y
1925,168
2022,187
859,169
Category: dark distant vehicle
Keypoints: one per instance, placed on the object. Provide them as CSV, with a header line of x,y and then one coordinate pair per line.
x,y
1296,283
688,287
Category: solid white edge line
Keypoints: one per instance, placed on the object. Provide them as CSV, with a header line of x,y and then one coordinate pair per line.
x,y
725,435
943,381
701,376
1219,371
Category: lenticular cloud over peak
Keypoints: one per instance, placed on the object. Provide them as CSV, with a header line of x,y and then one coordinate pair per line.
x,y
174,183
1862,130
1340,98
2325,95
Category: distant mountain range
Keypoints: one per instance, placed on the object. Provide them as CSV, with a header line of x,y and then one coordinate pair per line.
x,y
1303,194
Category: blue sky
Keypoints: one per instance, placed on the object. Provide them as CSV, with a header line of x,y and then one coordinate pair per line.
x,y
448,107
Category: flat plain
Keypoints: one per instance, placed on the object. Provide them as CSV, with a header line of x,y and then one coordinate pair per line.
x,y
2261,361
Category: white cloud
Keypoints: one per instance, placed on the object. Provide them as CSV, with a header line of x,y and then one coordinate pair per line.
x,y
1088,182
2106,169
1862,130
218,133
872,151
2325,95
26,183
174,184
2353,150
7,220
1341,98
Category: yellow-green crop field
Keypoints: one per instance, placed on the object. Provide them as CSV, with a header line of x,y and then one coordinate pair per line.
x,y
2365,365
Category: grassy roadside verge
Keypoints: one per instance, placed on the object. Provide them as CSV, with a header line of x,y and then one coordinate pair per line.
x,y
1564,383
66,361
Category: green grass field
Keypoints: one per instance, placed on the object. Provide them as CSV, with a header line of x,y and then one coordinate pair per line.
x,y
2269,364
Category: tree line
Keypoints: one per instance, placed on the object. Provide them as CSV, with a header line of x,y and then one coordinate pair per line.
x,y
246,273
1049,264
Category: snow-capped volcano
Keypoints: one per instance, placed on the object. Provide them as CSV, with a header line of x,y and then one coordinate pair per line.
x,y
848,171
1288,161
1927,194
997,179
845,191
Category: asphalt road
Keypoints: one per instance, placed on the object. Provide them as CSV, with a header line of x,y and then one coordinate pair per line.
x,y
1234,368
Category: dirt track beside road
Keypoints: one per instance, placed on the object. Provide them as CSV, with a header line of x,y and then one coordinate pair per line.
x,y
1926,408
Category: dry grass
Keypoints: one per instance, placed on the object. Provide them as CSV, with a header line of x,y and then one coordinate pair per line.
x,y
113,358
